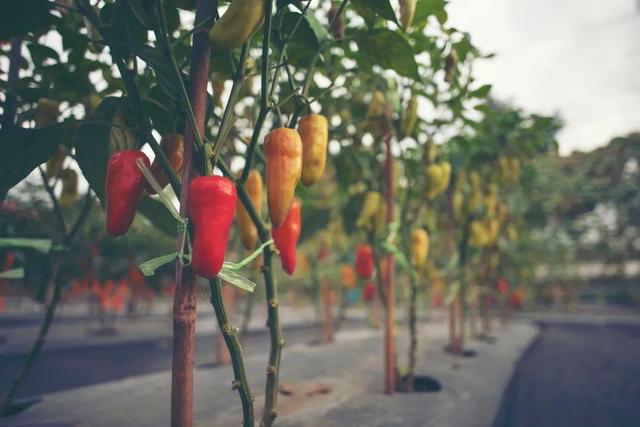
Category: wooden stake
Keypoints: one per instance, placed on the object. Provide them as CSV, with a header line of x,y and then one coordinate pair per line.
x,y
184,300
389,324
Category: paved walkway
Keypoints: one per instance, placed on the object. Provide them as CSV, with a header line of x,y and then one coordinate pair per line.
x,y
348,371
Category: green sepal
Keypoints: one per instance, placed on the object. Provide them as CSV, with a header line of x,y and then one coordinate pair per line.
x,y
40,245
16,273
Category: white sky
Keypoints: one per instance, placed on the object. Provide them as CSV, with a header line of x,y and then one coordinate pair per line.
x,y
580,58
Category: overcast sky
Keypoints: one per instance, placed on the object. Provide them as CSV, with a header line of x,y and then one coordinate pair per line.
x,y
580,58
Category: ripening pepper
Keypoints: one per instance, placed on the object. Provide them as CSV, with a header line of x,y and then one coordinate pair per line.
x,y
122,136
407,11
434,176
239,22
376,106
69,193
283,152
450,66
314,133
364,261
54,164
124,187
47,112
286,237
212,205
218,88
419,247
410,117
337,23
438,178
173,147
370,210
248,231
348,274
477,233
369,292
457,204
380,222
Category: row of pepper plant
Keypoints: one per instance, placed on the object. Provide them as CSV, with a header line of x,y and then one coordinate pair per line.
x,y
238,99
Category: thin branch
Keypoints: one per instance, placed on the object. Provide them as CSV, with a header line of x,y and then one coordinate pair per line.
x,y
54,200
235,351
86,209
161,35
264,82
311,71
10,103
238,78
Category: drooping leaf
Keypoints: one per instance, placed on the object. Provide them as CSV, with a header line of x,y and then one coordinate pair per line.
x,y
158,215
93,144
22,150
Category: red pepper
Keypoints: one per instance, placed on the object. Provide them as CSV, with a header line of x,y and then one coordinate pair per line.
x,y
364,261
502,286
212,206
286,237
124,186
368,292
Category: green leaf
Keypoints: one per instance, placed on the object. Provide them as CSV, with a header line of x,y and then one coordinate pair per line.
x,y
158,215
237,280
161,66
24,16
382,8
464,47
426,8
308,36
388,49
319,30
22,150
16,273
40,245
93,144
481,92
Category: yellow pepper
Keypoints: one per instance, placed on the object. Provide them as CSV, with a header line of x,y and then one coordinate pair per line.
x,y
248,231
314,132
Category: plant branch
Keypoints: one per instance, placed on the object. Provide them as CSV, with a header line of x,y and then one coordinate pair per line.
x,y
75,228
162,37
306,86
38,343
235,351
238,77
264,82
10,103
56,206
